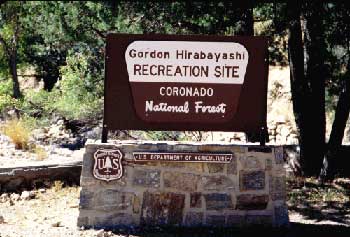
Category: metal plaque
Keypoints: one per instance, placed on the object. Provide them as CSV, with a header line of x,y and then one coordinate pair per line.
x,y
108,165
186,82
183,157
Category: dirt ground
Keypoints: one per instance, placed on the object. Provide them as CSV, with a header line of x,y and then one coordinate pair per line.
x,y
314,210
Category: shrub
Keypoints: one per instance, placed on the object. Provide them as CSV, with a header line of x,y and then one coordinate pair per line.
x,y
18,130
6,100
78,94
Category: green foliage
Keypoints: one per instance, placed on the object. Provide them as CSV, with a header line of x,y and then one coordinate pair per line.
x,y
6,100
165,136
77,93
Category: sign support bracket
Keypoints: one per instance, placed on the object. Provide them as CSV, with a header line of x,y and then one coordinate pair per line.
x,y
104,133
263,136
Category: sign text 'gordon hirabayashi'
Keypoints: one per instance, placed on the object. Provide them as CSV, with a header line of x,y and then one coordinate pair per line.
x,y
188,80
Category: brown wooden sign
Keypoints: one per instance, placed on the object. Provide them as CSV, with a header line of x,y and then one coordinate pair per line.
x,y
188,82
182,157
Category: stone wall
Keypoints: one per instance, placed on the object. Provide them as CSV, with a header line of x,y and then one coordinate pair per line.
x,y
250,190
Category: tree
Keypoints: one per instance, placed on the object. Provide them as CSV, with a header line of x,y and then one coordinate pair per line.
x,y
339,40
308,81
10,33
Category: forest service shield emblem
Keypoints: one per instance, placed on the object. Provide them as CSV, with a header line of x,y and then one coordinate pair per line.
x,y
108,165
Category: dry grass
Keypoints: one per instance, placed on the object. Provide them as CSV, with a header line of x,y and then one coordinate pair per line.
x,y
57,186
40,153
19,133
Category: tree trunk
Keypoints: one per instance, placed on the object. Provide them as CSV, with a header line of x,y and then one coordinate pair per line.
x,y
330,163
299,87
315,48
246,22
13,72
308,89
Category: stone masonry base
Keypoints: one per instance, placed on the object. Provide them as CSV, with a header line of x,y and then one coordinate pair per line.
x,y
250,190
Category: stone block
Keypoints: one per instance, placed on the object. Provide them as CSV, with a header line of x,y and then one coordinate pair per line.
x,y
235,220
281,216
278,188
136,204
172,164
195,200
181,181
193,219
218,201
112,200
86,199
146,178
232,166
215,220
217,183
259,220
162,208
250,162
83,221
279,155
192,167
216,168
268,164
239,149
111,221
252,202
252,180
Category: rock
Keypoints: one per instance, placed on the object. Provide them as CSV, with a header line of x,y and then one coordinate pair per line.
x,y
111,199
147,178
252,202
215,168
215,220
103,233
4,197
284,133
194,219
95,133
251,162
136,204
181,181
252,180
56,224
162,208
217,183
280,119
25,195
2,220
218,201
195,200
32,194
100,233
15,197
232,166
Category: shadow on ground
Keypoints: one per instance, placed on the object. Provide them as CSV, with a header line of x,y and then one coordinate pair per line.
x,y
295,230
329,211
